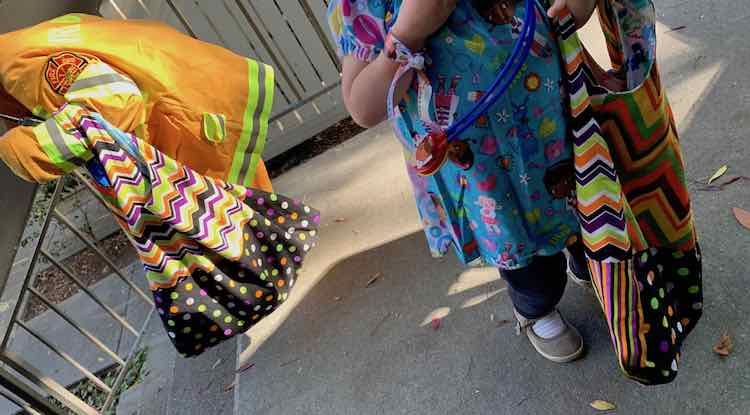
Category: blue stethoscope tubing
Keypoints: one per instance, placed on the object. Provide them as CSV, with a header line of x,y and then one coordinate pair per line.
x,y
506,76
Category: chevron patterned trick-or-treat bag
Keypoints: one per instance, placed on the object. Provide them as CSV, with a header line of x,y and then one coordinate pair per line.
x,y
218,256
632,198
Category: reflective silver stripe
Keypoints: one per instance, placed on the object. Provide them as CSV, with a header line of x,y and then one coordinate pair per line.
x,y
222,130
105,79
256,126
56,135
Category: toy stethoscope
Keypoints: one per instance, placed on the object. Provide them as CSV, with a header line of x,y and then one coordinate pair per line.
x,y
434,149
24,122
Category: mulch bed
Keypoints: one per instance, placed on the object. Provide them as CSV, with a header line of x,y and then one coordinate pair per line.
x,y
329,138
90,268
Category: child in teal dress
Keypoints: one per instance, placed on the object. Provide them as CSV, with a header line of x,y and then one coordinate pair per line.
x,y
505,198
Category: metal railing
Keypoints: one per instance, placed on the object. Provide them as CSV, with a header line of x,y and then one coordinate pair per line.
x,y
31,391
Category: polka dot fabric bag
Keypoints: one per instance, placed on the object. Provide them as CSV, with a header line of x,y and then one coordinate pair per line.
x,y
633,202
218,257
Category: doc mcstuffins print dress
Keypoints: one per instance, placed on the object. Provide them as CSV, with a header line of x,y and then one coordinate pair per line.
x,y
509,195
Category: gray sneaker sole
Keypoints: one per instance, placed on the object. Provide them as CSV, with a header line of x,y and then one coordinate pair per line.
x,y
559,359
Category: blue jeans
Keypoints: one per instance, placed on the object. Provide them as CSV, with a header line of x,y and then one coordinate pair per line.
x,y
536,289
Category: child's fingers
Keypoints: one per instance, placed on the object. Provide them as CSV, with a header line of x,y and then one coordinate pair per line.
x,y
556,9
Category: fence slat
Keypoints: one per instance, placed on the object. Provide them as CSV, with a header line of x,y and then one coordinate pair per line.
x,y
312,45
242,19
290,35
319,8
279,27
281,60
242,40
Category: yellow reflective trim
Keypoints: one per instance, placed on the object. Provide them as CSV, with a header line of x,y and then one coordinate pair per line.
x,y
99,81
254,124
110,94
40,112
50,149
214,127
67,19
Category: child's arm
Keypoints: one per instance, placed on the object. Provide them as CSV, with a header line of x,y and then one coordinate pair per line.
x,y
365,84
581,10
365,88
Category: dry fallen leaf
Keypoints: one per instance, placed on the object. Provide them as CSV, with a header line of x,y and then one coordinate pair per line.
x,y
435,323
724,347
245,367
229,387
723,169
287,363
721,186
340,220
743,217
600,405
373,279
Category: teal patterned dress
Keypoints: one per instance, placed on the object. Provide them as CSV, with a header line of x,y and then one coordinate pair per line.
x,y
509,195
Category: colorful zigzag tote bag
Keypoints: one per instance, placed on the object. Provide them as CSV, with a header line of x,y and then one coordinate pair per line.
x,y
218,257
633,202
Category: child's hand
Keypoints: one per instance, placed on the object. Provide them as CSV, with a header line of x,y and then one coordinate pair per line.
x,y
418,19
557,7
581,9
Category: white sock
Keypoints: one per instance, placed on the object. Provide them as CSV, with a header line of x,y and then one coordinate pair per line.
x,y
549,326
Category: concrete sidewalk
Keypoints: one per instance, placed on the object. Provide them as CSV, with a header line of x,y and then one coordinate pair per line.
x,y
340,347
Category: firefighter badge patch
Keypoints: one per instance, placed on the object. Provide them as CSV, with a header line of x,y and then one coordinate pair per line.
x,y
62,70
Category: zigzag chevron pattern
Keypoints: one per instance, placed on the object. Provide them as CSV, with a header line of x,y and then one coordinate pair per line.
x,y
644,145
600,198
174,215
218,257
633,204
626,149
174,218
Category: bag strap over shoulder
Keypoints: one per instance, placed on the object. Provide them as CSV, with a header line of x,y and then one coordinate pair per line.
x,y
629,28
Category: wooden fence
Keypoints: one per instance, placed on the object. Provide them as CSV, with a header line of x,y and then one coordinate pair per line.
x,y
290,35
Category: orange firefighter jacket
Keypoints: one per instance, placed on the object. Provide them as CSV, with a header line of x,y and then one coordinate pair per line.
x,y
196,102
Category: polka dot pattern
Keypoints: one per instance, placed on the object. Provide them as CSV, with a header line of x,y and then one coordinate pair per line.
x,y
661,307
674,286
206,308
